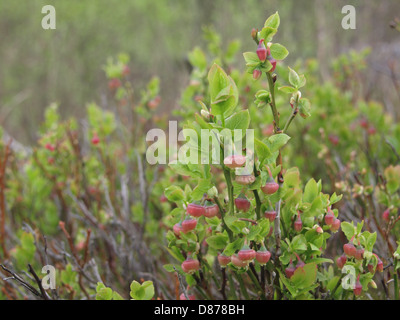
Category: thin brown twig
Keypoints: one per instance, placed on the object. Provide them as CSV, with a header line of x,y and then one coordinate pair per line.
x,y
70,241
393,149
86,255
223,284
182,287
21,281
254,222
39,283
277,130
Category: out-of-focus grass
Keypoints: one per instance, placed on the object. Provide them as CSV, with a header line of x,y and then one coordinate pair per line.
x,y
39,66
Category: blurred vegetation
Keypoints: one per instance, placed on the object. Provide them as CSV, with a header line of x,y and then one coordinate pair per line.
x,y
39,67
84,199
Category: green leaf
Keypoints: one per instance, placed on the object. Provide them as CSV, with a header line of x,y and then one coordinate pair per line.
x,y
28,241
310,191
264,225
251,58
287,89
287,283
392,175
24,253
218,80
149,290
267,33
334,198
320,260
103,293
292,178
169,267
294,78
232,247
273,21
218,241
299,243
174,252
100,286
239,120
371,241
277,141
266,66
137,292
190,280
219,85
262,150
254,231
302,81
193,171
252,61
174,193
202,123
278,51
202,187
214,221
317,208
304,108
223,95
116,296
359,226
68,276
144,291
348,229
305,276
234,224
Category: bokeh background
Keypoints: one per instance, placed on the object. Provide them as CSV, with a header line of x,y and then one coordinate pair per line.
x,y
38,67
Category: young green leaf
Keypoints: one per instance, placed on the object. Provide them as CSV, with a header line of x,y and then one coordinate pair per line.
x,y
305,276
218,241
103,293
169,267
262,150
239,120
273,21
277,141
267,33
294,78
232,247
287,89
302,81
348,229
251,57
278,51
304,108
144,291
299,243
174,193
203,186
310,191
223,92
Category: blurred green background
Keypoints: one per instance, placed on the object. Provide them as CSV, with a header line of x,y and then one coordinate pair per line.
x,y
38,67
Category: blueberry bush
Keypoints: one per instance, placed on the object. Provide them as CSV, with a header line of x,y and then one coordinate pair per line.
x,y
308,209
